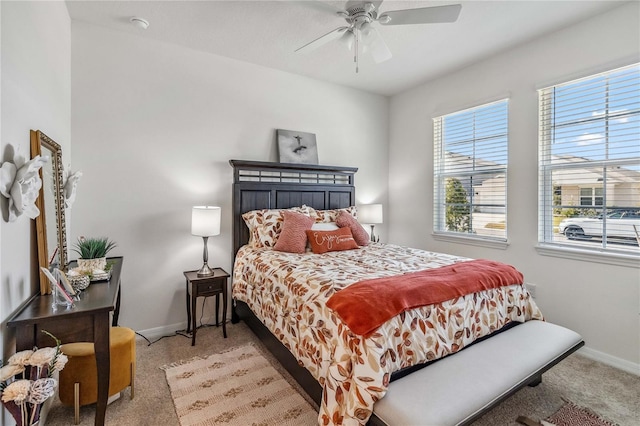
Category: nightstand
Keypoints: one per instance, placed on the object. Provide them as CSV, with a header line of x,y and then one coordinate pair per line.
x,y
211,285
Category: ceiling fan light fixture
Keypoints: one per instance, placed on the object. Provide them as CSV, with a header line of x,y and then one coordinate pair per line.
x,y
361,34
366,33
347,39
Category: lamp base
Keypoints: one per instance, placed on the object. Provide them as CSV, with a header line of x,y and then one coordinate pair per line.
x,y
374,239
205,271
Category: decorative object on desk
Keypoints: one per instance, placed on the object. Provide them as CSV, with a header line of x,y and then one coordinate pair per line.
x,y
26,381
297,147
65,282
370,214
60,295
83,276
69,185
205,223
20,184
78,281
93,252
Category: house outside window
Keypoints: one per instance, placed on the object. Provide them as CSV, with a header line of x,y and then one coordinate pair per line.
x,y
470,172
589,163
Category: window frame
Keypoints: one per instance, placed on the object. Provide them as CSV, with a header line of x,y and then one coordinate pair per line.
x,y
548,193
441,174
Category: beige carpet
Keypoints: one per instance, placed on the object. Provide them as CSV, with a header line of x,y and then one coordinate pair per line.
x,y
236,387
612,393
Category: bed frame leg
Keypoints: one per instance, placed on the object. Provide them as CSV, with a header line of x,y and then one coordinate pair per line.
x,y
235,318
535,381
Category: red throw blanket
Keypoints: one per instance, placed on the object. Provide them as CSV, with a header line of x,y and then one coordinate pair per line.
x,y
366,305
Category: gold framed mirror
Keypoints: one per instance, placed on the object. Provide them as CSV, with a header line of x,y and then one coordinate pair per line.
x,y
51,228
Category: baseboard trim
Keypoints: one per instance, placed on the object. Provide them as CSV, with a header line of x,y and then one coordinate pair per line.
x,y
171,329
613,361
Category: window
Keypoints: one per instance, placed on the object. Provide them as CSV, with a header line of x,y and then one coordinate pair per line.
x,y
590,196
470,172
589,163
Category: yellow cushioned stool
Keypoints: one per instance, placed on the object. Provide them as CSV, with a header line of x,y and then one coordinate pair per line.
x,y
79,378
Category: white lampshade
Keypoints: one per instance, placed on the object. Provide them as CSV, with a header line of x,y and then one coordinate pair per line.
x,y
205,221
370,213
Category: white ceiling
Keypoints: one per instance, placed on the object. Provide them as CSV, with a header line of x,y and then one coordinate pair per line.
x,y
268,32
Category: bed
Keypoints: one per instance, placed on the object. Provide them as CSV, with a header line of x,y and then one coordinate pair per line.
x,y
282,297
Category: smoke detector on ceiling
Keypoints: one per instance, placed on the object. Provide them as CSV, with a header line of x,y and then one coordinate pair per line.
x,y
140,23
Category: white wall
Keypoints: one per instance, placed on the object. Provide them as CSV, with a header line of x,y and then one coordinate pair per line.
x,y
599,301
35,87
154,126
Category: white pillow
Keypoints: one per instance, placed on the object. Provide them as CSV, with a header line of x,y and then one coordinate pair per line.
x,y
324,226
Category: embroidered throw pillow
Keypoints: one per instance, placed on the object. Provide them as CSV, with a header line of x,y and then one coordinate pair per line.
x,y
345,220
324,241
293,238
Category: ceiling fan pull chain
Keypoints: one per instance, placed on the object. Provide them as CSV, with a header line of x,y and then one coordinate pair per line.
x,y
356,32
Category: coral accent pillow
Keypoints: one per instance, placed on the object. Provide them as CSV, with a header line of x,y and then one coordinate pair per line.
x,y
265,225
324,241
345,220
293,238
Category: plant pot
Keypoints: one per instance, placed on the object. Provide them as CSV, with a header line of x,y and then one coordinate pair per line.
x,y
92,264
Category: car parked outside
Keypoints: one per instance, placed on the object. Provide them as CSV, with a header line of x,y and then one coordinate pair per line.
x,y
619,224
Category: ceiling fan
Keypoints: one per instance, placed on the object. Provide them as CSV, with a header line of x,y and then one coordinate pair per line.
x,y
361,15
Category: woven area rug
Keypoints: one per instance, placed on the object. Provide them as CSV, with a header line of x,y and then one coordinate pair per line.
x,y
235,387
569,414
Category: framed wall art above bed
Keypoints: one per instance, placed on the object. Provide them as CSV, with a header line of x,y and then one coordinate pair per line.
x,y
297,147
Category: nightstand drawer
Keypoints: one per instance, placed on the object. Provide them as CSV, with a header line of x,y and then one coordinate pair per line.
x,y
209,289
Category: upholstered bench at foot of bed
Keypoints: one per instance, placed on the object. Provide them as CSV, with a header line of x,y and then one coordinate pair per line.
x,y
460,388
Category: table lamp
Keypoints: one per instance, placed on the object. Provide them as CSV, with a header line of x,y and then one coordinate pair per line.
x,y
370,214
205,223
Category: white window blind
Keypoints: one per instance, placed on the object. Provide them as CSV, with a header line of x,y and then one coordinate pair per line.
x,y
589,161
470,171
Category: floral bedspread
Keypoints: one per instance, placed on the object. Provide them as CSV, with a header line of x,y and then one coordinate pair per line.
x,y
289,293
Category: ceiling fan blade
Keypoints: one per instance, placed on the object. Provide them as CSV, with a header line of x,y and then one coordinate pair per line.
x,y
423,15
322,40
379,50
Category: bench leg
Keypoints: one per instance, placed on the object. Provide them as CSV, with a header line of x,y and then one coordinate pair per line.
x,y
536,381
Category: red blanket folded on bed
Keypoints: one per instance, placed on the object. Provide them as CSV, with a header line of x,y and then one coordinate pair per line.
x,y
366,305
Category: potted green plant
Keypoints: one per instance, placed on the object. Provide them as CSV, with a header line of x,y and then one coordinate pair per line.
x,y
93,252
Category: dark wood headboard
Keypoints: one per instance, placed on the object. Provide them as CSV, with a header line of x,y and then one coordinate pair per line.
x,y
264,185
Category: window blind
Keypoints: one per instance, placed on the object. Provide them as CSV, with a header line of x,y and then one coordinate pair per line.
x,y
589,162
470,171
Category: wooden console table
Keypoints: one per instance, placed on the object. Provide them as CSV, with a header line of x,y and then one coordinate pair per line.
x,y
86,321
